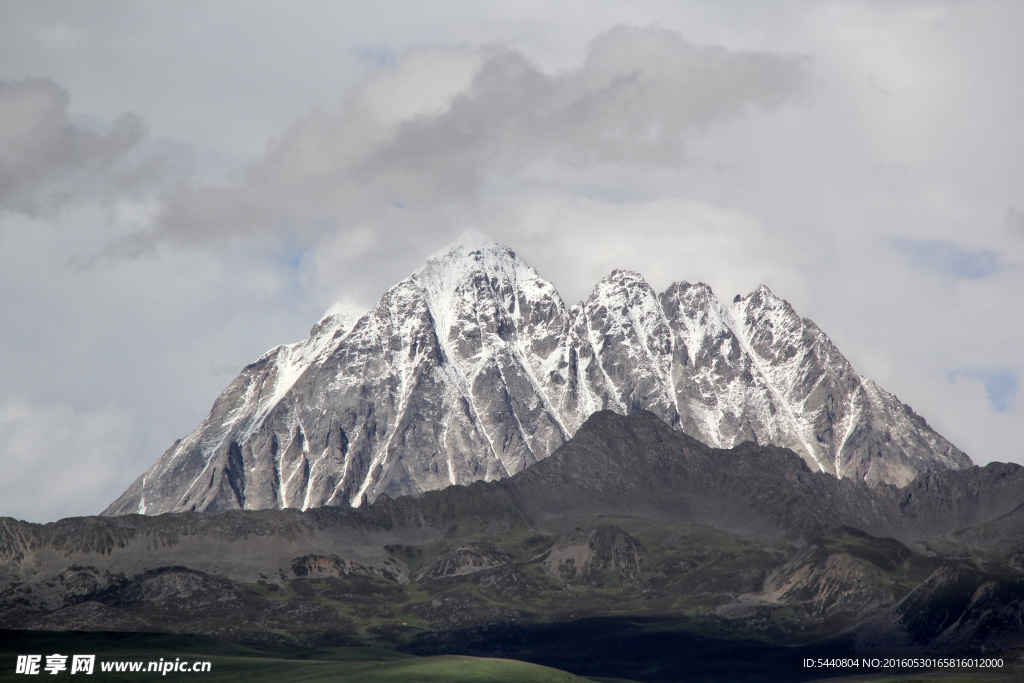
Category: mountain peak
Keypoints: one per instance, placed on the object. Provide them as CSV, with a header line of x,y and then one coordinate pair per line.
x,y
473,368
465,245
762,293
477,268
471,253
622,288
623,276
762,301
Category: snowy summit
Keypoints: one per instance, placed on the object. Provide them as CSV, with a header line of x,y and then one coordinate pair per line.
x,y
474,368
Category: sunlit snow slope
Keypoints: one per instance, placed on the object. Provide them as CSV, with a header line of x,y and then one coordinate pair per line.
x,y
473,368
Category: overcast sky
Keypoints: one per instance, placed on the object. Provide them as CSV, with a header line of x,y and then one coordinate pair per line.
x,y
186,184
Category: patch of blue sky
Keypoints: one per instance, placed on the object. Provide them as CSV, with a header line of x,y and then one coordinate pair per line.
x,y
946,257
375,54
287,257
1000,385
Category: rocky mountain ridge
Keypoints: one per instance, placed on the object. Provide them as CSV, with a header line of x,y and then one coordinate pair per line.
x,y
473,368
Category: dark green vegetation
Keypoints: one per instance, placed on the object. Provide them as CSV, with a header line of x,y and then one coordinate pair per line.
x,y
633,552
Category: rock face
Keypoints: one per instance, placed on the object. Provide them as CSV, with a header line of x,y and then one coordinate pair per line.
x,y
474,368
588,556
467,559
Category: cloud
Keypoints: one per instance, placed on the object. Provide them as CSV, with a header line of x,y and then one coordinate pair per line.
x,y
946,257
48,160
109,364
421,143
576,241
59,460
1015,222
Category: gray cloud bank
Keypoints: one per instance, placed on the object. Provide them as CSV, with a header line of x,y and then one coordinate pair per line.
x,y
47,160
443,128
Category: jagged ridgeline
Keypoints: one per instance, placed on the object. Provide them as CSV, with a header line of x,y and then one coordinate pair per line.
x,y
474,368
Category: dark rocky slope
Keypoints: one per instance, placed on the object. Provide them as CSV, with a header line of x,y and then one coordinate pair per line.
x,y
633,524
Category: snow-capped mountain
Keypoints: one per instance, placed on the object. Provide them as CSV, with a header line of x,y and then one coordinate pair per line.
x,y
474,368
